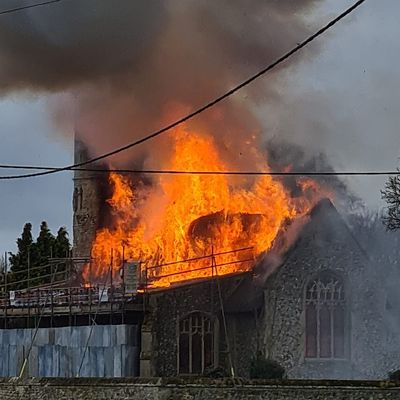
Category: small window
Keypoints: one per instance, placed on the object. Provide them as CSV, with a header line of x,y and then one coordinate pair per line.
x,y
196,343
325,318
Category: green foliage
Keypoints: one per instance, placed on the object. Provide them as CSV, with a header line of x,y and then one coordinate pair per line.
x,y
20,260
264,368
44,244
61,243
36,254
2,264
394,375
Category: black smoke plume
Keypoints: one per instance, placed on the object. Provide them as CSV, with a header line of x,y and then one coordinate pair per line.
x,y
130,66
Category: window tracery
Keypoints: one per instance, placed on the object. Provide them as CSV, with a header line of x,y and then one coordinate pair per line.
x,y
325,317
196,343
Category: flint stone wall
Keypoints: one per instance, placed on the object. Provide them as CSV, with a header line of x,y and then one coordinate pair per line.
x,y
87,200
174,389
327,244
170,307
86,214
177,303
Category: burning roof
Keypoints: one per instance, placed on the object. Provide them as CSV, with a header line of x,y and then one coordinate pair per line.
x,y
186,227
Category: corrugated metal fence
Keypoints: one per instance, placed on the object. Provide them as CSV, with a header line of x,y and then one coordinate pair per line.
x,y
113,351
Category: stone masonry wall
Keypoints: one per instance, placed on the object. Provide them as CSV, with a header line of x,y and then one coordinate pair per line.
x,y
327,244
171,306
157,389
177,303
85,220
242,332
86,201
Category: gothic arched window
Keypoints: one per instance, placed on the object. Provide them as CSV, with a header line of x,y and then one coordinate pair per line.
x,y
325,317
196,343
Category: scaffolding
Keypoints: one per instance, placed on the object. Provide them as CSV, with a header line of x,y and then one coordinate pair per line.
x,y
56,289
61,294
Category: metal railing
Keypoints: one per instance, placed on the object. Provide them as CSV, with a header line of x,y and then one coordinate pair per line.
x,y
152,275
63,291
67,296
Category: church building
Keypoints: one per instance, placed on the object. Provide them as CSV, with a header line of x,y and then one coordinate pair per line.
x,y
321,313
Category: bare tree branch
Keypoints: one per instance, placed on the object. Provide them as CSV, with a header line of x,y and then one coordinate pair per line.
x,y
391,194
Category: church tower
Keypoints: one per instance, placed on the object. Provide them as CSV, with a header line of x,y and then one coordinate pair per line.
x,y
86,203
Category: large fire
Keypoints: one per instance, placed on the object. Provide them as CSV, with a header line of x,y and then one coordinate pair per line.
x,y
191,226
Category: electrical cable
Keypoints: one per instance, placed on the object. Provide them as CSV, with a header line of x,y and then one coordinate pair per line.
x,y
240,173
44,3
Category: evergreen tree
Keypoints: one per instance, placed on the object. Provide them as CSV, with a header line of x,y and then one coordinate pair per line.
x,y
42,251
2,264
19,262
62,249
37,255
3,268
45,244
62,246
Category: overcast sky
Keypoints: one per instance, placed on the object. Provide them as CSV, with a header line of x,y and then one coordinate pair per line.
x,y
26,138
350,91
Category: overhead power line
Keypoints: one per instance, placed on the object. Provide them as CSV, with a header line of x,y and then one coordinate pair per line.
x,y
44,3
205,107
178,172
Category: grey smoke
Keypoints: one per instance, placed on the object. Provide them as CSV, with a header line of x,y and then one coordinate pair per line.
x,y
285,155
130,66
59,46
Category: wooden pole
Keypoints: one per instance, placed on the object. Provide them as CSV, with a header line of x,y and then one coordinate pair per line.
x,y
52,295
111,287
6,295
70,294
90,289
228,347
29,287
123,284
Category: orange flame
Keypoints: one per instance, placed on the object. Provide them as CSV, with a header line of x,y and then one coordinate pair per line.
x,y
191,216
